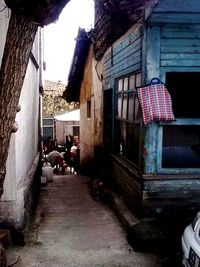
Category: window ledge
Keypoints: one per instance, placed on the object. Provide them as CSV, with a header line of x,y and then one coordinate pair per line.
x,y
171,176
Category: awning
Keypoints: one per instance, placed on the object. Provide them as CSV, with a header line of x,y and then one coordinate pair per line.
x,y
69,116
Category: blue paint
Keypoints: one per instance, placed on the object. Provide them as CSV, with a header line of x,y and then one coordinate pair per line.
x,y
175,18
178,6
170,42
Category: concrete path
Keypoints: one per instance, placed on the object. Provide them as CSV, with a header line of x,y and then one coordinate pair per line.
x,y
77,231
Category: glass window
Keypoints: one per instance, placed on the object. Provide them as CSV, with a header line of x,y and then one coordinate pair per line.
x,y
137,108
185,93
126,84
47,122
48,128
127,118
181,141
76,131
124,113
131,107
119,104
120,85
47,132
132,82
181,146
138,79
89,107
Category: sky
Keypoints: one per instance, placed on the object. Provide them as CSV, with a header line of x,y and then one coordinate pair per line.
x,y
59,38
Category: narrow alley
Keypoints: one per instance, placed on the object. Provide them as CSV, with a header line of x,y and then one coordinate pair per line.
x,y
72,229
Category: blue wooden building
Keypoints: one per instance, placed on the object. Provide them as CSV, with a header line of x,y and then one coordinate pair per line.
x,y
156,167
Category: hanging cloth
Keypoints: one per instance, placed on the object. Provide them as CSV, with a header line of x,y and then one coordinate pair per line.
x,y
155,102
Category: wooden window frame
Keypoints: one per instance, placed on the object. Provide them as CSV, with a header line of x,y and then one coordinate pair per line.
x,y
123,118
178,121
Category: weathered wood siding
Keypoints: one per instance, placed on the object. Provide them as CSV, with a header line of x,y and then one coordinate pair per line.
x,y
179,22
164,194
173,44
176,11
170,42
169,48
129,183
180,47
123,57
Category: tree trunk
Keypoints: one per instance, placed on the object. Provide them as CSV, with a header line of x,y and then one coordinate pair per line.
x,y
19,41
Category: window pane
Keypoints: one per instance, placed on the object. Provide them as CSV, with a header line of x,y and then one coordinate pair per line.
x,y
47,132
89,109
119,106
121,137
181,147
47,121
75,130
125,98
138,79
132,82
120,85
127,118
137,108
133,142
130,107
185,93
126,84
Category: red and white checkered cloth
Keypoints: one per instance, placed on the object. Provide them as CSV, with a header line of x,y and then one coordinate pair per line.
x,y
155,102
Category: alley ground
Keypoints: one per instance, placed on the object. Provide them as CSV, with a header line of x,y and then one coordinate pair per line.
x,y
72,229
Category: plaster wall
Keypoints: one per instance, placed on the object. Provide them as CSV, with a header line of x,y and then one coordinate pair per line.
x,y
90,127
86,124
97,70
60,132
23,156
64,128
27,119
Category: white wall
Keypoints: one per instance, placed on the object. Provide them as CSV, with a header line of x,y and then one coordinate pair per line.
x,y
23,150
60,132
27,135
10,180
24,143
4,20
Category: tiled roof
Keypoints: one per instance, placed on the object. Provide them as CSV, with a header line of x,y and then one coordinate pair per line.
x,y
56,88
53,103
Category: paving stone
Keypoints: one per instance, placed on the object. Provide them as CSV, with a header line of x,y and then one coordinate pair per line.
x,y
73,230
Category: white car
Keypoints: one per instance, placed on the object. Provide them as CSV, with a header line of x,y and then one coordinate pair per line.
x,y
191,243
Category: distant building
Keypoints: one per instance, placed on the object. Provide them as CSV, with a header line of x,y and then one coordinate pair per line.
x,y
53,106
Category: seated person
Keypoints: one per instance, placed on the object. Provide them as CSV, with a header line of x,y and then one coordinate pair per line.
x,y
56,159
